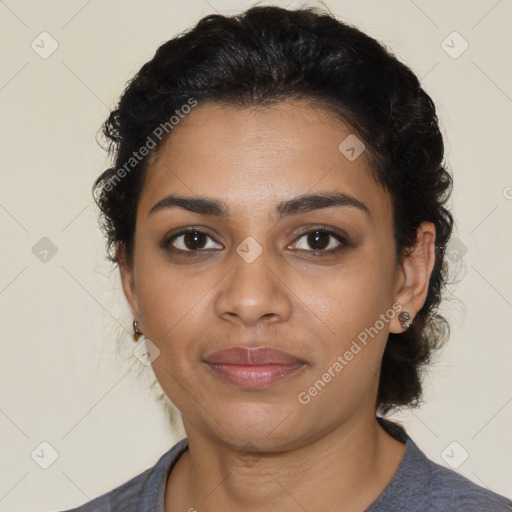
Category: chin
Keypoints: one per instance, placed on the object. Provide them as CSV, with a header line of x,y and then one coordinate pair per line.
x,y
265,426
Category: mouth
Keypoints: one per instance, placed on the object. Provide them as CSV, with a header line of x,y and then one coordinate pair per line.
x,y
253,368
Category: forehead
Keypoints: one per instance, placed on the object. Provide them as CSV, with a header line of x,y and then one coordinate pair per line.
x,y
253,157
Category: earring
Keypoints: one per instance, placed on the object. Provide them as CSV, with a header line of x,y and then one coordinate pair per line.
x,y
404,318
136,332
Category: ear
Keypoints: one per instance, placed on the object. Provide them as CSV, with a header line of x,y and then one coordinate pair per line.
x,y
127,280
415,272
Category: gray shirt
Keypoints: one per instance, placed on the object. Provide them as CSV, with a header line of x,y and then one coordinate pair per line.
x,y
419,485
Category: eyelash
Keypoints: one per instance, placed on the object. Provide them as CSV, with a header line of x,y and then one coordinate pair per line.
x,y
317,252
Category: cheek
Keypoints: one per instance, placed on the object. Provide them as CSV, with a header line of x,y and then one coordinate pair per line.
x,y
354,298
163,295
356,308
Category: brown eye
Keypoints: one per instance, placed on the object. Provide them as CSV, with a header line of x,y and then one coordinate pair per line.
x,y
320,241
192,240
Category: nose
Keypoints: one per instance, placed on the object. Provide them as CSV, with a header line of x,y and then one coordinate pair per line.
x,y
252,292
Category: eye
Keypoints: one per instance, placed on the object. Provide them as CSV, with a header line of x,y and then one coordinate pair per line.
x,y
321,240
191,240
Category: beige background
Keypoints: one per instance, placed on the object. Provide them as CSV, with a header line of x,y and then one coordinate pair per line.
x,y
62,382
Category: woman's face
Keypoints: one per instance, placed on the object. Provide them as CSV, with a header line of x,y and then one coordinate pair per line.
x,y
255,279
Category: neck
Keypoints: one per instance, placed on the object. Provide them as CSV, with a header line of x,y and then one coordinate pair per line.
x,y
349,467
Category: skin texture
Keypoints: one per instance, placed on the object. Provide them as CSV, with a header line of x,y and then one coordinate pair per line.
x,y
263,449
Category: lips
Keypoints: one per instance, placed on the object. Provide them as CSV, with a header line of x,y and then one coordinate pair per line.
x,y
253,368
252,357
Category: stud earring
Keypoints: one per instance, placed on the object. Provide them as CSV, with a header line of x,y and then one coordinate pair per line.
x,y
136,331
404,318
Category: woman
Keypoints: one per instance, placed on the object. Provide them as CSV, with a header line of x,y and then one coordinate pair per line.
x,y
276,209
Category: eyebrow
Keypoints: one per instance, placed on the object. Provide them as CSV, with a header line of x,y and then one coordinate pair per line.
x,y
300,204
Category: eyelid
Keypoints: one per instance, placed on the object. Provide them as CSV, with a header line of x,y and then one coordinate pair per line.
x,y
323,227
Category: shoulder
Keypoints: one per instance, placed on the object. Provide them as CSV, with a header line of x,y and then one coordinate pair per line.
x,y
452,491
142,492
421,485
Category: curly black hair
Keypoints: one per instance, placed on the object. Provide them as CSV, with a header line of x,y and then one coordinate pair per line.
x,y
266,55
